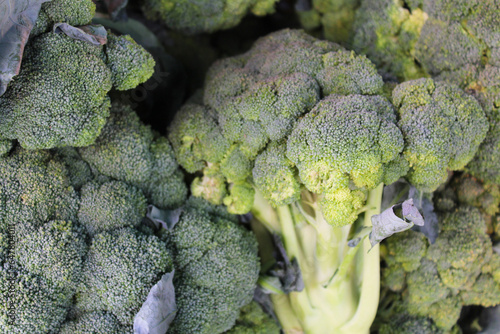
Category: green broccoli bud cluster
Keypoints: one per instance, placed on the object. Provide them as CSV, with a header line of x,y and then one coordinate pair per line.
x,y
129,151
217,268
205,16
60,97
437,280
253,320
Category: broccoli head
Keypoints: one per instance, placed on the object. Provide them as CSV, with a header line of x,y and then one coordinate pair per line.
x,y
120,268
216,266
250,131
129,151
37,306
60,96
253,320
54,251
110,205
35,188
204,16
458,269
442,126
73,12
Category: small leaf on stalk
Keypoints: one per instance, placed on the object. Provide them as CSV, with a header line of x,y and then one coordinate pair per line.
x,y
388,222
17,18
159,309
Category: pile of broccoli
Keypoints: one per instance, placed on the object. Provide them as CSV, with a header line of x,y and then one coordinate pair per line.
x,y
298,132
342,185
426,285
78,256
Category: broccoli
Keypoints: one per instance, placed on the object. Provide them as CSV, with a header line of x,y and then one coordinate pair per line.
x,y
204,16
129,151
216,266
94,322
253,320
60,97
298,132
110,205
457,270
73,12
120,268
437,140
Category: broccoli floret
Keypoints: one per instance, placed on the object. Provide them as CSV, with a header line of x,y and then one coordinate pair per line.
x,y
79,171
121,267
37,306
407,324
253,320
127,150
345,141
94,323
405,250
111,205
130,64
35,187
443,128
54,251
458,269
59,97
207,16
216,266
387,33
73,12
462,248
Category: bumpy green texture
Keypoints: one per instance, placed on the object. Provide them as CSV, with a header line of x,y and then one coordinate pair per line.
x,y
216,268
130,63
94,323
121,267
73,12
39,305
110,205
252,104
35,188
438,279
253,320
129,151
467,190
204,16
54,251
60,96
442,127
341,142
406,324
334,16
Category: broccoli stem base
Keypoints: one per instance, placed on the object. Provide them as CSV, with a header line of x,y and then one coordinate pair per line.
x,y
342,283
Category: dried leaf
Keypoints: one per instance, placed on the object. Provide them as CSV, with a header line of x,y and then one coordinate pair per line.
x,y
163,218
17,18
388,222
95,35
159,309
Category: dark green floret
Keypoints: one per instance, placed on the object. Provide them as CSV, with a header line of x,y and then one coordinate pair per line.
x,y
216,266
121,267
205,16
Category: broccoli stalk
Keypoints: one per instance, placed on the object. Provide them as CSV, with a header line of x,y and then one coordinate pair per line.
x,y
332,291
